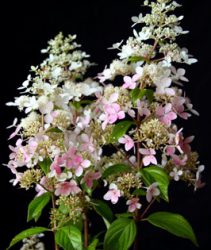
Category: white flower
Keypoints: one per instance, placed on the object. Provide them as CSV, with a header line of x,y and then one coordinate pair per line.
x,y
176,174
179,74
137,19
75,65
31,104
126,52
143,35
116,45
25,83
185,57
56,72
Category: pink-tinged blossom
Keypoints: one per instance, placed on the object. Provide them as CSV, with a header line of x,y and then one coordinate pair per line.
x,y
113,194
178,106
143,108
152,191
127,141
112,113
176,173
22,155
56,166
179,160
75,161
148,156
175,141
185,144
67,188
165,114
130,82
90,177
18,128
133,204
43,186
87,143
198,182
163,87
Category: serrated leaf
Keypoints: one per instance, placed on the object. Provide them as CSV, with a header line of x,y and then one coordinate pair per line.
x,y
120,235
45,165
119,130
27,233
173,223
37,205
116,169
69,238
156,174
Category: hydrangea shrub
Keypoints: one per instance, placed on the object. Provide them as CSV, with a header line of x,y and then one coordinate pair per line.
x,y
117,134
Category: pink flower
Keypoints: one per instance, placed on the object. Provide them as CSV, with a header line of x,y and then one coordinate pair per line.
x,y
56,166
198,182
175,174
90,177
148,156
128,141
113,194
178,105
21,155
112,114
165,114
75,161
143,108
67,188
152,191
133,204
130,83
44,182
178,160
185,144
87,143
15,132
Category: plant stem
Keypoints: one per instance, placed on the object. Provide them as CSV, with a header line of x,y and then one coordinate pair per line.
x,y
54,227
147,208
86,228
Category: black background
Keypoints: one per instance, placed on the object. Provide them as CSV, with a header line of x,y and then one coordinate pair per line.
x,y
25,29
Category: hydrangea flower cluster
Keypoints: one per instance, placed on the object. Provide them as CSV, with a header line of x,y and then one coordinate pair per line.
x,y
79,135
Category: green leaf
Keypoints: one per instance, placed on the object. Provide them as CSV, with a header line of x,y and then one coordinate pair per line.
x,y
27,233
120,235
138,94
69,238
93,245
119,130
116,169
45,165
173,223
104,211
156,174
139,192
36,206
124,215
54,130
134,59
